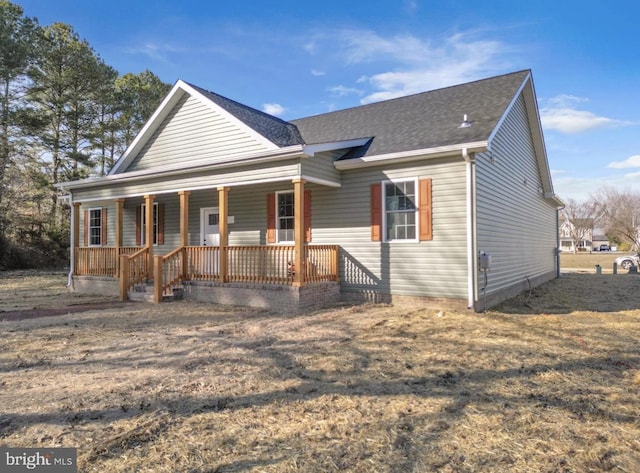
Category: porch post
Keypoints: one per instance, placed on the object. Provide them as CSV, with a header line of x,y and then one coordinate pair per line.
x,y
223,220
184,217
75,235
184,229
298,231
119,208
148,232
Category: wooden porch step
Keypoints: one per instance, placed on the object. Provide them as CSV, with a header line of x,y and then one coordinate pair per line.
x,y
144,293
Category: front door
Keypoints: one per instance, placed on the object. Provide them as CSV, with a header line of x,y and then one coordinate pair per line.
x,y
209,227
210,236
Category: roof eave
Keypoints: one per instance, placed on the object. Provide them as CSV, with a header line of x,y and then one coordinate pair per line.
x,y
296,151
412,155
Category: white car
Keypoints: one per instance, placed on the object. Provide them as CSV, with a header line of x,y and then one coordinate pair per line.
x,y
628,261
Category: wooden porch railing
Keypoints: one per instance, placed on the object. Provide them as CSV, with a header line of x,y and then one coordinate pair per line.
x,y
133,270
100,261
250,264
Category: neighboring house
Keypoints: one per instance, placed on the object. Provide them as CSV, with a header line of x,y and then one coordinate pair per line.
x,y
392,201
576,235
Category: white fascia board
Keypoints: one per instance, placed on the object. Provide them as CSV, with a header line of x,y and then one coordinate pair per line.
x,y
412,155
165,107
280,154
230,117
535,125
150,126
332,146
214,185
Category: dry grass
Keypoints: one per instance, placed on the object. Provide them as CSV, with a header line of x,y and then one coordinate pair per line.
x,y
185,387
587,261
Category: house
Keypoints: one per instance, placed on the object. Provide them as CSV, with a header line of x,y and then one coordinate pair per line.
x,y
577,235
441,197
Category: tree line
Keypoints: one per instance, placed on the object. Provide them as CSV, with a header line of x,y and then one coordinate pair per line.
x,y
65,114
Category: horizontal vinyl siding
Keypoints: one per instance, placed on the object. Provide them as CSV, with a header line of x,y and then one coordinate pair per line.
x,y
515,224
194,132
321,167
434,268
202,179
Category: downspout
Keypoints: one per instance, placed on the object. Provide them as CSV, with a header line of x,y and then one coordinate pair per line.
x,y
471,251
72,242
558,210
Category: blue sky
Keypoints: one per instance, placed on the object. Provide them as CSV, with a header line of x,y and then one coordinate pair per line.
x,y
300,58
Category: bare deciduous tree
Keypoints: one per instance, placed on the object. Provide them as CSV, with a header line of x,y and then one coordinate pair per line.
x,y
620,211
578,220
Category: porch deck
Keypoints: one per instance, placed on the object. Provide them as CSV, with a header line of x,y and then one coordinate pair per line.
x,y
234,264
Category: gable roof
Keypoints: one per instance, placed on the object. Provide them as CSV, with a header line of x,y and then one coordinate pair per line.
x,y
274,129
420,121
405,128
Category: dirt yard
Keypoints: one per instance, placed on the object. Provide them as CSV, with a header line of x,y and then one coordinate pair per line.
x,y
548,382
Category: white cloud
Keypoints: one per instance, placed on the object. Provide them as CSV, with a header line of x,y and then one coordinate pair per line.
x,y
631,162
417,64
410,6
274,109
341,91
315,72
561,114
154,51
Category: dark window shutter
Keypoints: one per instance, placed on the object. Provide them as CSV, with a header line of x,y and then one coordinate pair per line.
x,y
160,224
139,225
271,218
103,222
425,210
86,228
307,216
376,212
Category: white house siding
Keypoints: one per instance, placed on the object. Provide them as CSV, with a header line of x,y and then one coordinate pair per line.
x,y
434,268
194,132
515,224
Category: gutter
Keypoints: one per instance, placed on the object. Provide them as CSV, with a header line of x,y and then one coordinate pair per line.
x,y
413,155
296,151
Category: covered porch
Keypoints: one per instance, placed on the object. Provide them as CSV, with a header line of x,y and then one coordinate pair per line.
x,y
219,265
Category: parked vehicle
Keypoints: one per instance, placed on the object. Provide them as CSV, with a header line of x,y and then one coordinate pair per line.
x,y
628,261
605,248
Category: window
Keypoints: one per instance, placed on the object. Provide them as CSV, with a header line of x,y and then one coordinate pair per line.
x,y
95,227
281,217
400,210
143,219
285,217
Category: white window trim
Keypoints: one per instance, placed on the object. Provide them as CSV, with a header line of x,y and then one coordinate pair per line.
x,y
89,226
278,241
143,232
416,186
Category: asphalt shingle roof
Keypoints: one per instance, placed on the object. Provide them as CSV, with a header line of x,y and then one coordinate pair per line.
x,y
274,129
420,121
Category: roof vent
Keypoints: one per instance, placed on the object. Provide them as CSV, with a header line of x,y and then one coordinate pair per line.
x,y
465,122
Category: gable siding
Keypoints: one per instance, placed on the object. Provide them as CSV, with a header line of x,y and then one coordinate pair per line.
x,y
194,132
515,224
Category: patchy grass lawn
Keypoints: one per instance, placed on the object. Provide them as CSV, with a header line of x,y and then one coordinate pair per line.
x,y
584,261
548,382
